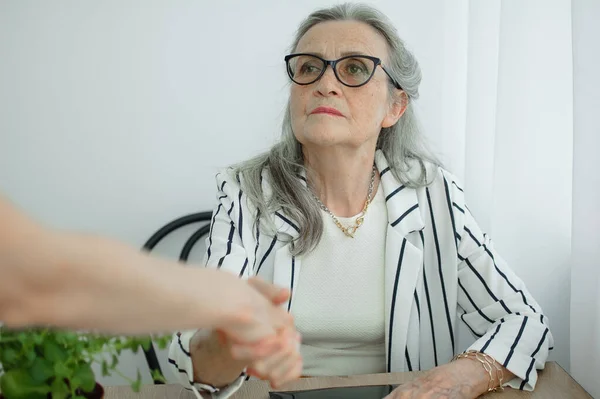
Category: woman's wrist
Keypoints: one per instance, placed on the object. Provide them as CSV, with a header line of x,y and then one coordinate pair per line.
x,y
472,371
489,375
211,360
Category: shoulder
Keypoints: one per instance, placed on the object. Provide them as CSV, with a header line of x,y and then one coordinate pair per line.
x,y
442,185
242,176
227,179
428,173
441,177
233,188
443,192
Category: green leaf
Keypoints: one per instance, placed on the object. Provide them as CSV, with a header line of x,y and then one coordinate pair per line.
x,y
137,384
61,370
163,341
115,361
105,372
69,336
30,355
53,352
59,388
85,374
18,384
38,339
8,355
23,337
74,383
146,344
157,375
51,357
41,370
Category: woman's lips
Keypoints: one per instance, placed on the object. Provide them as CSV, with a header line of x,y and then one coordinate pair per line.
x,y
326,110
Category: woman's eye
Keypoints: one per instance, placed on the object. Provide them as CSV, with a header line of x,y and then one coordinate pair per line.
x,y
309,68
356,69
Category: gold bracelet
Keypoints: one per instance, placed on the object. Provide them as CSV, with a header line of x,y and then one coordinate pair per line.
x,y
489,365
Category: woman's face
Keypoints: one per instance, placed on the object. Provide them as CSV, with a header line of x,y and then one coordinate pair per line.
x,y
364,110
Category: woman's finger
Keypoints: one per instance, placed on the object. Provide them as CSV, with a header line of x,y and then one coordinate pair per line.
x,y
266,366
266,347
275,294
288,371
295,373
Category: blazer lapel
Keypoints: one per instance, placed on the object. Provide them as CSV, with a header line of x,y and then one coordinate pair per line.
x,y
401,201
287,266
403,262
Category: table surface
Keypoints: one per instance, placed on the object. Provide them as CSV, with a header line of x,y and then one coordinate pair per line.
x,y
553,382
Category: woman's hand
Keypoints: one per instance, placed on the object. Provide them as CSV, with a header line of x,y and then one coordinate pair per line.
x,y
250,308
275,358
462,379
261,338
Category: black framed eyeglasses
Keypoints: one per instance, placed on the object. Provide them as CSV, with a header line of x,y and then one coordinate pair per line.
x,y
351,70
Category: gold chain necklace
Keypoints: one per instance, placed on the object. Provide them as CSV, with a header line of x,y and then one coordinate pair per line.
x,y
351,230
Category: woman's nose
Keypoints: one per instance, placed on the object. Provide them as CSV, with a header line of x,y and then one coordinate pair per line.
x,y
328,83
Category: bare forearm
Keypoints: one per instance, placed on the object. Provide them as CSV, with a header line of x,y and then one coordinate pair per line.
x,y
84,282
212,361
120,288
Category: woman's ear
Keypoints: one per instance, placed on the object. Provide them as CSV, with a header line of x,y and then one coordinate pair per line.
x,y
396,109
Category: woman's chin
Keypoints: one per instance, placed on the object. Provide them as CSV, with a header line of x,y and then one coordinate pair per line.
x,y
325,137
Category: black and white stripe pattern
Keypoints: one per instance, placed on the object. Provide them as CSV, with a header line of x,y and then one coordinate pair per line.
x,y
392,312
440,269
459,276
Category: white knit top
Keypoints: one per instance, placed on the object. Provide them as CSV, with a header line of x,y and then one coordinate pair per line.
x,y
338,304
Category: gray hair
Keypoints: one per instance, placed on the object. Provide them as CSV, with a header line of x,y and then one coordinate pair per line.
x,y
400,143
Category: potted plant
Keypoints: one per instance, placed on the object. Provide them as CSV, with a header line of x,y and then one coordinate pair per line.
x,y
45,363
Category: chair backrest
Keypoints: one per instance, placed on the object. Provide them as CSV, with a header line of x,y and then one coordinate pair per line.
x,y
156,238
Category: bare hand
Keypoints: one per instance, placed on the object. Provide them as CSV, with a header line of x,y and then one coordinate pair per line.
x,y
449,381
254,328
274,358
254,306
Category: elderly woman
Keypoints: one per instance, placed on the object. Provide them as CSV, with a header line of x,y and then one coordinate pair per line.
x,y
373,237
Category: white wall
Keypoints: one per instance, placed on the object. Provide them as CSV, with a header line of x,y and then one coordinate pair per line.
x,y
507,132
529,207
585,304
115,116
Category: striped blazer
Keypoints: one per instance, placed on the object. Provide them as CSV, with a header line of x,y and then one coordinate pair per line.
x,y
439,268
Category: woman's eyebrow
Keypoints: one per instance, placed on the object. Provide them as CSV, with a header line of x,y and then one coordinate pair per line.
x,y
343,53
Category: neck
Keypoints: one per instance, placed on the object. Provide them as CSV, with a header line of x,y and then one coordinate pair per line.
x,y
340,179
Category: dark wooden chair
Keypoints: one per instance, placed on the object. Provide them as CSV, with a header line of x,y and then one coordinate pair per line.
x,y
201,217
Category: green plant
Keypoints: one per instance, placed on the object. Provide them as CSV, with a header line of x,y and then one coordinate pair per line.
x,y
43,363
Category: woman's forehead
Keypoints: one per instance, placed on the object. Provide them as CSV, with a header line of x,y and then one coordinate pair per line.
x,y
338,38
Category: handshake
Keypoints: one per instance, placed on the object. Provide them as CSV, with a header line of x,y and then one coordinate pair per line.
x,y
256,334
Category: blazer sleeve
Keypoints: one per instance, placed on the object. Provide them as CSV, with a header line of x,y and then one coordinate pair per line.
x,y
496,305
224,250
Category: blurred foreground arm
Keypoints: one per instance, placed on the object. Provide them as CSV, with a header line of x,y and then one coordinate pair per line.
x,y
80,281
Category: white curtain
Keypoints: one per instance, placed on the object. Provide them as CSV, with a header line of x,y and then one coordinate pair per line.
x,y
585,268
521,99
508,134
